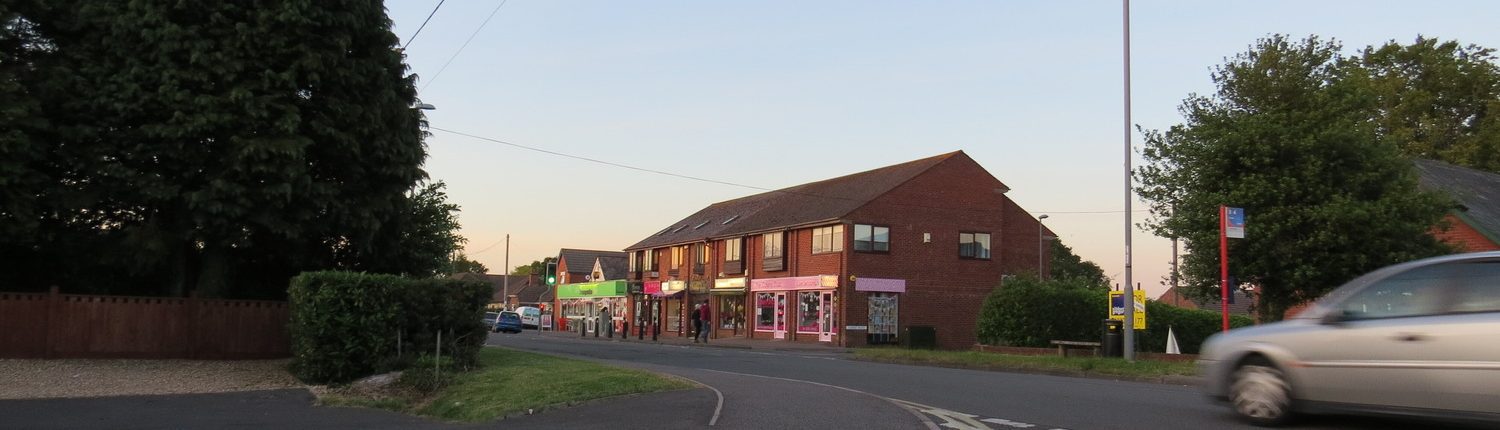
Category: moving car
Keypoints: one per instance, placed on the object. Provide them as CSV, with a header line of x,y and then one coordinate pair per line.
x,y
509,322
1419,339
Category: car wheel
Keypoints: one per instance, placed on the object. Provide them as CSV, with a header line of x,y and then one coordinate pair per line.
x,y
1260,393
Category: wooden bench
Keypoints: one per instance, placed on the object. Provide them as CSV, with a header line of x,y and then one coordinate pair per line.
x,y
1064,345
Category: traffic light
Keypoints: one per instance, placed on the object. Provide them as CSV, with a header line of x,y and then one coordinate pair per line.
x,y
551,273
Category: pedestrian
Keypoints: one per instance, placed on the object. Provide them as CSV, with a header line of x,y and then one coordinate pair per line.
x,y
697,322
705,324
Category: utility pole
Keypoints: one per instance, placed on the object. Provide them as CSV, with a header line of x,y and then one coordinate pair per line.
x,y
1129,286
505,284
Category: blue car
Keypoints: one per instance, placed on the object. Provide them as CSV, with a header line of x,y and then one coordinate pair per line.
x,y
508,322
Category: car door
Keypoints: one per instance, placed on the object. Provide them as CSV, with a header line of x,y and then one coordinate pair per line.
x,y
1467,378
1378,349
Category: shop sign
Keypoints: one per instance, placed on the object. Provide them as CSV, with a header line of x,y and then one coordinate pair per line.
x,y
592,289
878,285
1117,307
856,328
652,287
673,287
720,284
796,283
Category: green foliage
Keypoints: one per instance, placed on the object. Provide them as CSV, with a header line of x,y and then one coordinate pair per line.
x,y
1190,326
1067,265
1027,312
1289,139
462,264
427,374
1435,99
151,148
423,237
536,267
349,325
342,324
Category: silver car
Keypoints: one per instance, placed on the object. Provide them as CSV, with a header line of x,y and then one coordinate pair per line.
x,y
1420,338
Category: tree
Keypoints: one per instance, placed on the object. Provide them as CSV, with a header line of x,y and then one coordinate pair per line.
x,y
536,267
462,264
1066,265
1436,100
1288,139
220,148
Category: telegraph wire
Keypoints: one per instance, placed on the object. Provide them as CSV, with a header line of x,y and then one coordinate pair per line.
x,y
715,181
424,25
466,44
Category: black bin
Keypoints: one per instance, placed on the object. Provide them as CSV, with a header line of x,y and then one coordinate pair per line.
x,y
1112,342
921,337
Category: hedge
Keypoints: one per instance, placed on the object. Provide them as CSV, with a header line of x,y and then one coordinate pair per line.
x,y
1028,312
345,325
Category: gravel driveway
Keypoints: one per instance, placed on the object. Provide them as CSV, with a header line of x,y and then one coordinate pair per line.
x,y
32,379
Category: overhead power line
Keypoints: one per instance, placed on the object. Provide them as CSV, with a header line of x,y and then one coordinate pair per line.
x,y
424,25
715,181
466,44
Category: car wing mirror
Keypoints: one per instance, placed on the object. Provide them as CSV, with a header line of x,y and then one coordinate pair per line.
x,y
1335,317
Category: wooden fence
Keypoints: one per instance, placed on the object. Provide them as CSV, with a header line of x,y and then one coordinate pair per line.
x,y
53,325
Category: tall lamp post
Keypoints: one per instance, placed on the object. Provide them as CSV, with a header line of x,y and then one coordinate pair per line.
x,y
1041,248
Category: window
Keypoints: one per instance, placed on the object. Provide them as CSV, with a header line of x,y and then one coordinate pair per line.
x,y
700,253
974,245
808,312
828,239
700,225
679,228
765,311
732,249
731,219
635,264
872,238
1479,290
650,264
771,245
676,257
1421,291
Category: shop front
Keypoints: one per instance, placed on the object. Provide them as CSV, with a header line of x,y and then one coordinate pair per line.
x,y
797,308
665,302
729,307
593,308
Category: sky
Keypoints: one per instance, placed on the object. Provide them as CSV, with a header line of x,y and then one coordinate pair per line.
x,y
772,94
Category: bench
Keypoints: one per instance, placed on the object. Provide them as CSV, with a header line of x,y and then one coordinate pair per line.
x,y
1064,345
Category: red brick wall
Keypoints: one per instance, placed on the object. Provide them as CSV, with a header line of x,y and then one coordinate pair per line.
x,y
943,291
1466,238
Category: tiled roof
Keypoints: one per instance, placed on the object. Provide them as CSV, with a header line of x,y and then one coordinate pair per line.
x,y
519,284
614,267
1241,305
581,261
802,204
1476,191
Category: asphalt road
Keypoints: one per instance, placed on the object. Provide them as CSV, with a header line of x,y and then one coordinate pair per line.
x,y
781,389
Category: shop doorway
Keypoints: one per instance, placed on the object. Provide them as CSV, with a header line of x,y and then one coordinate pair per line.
x,y
731,315
883,313
826,323
780,317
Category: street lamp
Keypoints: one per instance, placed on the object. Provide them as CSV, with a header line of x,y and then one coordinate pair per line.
x,y
1041,247
424,106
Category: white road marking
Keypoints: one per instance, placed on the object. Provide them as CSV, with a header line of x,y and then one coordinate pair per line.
x,y
717,409
928,422
1008,423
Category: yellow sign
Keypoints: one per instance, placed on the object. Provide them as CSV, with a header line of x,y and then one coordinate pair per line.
x,y
1117,307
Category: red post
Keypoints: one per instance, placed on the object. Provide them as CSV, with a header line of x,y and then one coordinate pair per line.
x,y
1224,264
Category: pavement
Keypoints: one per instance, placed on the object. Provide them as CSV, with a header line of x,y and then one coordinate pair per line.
x,y
733,343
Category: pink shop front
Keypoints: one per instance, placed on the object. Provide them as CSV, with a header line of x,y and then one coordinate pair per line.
x,y
800,308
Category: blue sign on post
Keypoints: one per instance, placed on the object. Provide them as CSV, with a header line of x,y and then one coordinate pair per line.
x,y
1235,225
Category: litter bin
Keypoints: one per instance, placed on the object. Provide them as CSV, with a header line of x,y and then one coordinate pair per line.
x,y
1112,342
921,337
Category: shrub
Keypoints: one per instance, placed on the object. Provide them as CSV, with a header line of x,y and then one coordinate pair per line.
x,y
427,374
347,325
1190,326
337,324
1029,312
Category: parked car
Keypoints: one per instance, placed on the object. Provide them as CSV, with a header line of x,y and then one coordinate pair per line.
x,y
530,316
1416,338
509,322
490,321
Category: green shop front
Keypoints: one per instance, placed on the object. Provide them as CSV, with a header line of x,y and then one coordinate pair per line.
x,y
592,308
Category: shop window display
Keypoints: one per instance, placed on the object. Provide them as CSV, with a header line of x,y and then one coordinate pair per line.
x,y
808,305
765,311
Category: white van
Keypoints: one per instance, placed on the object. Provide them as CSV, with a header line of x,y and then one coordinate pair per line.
x,y
530,317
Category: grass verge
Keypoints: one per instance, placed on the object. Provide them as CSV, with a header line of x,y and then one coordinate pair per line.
x,y
509,382
1141,369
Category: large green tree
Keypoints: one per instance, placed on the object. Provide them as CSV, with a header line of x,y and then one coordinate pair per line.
x,y
1066,265
219,146
1436,99
1287,137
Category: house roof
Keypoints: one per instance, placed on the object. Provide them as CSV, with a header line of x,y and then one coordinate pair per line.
x,y
1477,192
1240,305
614,267
520,286
581,261
814,202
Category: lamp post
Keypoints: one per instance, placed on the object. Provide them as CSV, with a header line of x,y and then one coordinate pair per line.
x,y
1041,248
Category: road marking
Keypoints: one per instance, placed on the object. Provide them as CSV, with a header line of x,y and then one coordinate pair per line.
x,y
1008,423
928,422
717,409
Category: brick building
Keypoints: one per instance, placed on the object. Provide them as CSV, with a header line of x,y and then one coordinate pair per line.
x,y
590,294
848,261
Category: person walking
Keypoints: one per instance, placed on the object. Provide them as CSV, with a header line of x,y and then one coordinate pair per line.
x,y
706,324
697,322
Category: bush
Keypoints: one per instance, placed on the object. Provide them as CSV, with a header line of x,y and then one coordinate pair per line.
x,y
427,374
1032,313
1190,326
346,325
337,324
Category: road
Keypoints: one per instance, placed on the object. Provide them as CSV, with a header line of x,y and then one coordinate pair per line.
x,y
848,393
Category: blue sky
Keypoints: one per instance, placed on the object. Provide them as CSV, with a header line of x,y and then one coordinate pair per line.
x,y
778,93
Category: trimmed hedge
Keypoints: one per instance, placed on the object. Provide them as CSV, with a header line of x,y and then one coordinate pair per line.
x,y
1033,313
345,325
1028,312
